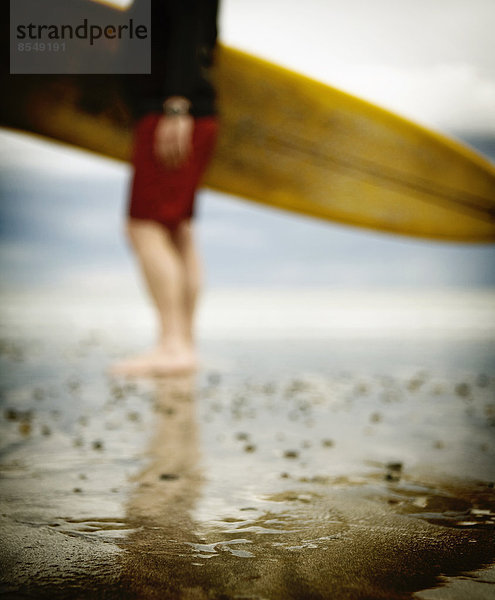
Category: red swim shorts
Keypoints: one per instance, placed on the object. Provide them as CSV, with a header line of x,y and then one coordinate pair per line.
x,y
164,194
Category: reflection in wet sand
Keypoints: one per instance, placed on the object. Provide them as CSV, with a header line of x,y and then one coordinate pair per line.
x,y
157,563
197,533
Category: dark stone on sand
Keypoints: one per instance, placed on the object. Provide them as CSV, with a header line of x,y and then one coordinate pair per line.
x,y
295,386
415,384
375,417
361,389
168,476
242,436
327,443
77,490
463,390
97,445
284,475
117,393
249,448
11,414
24,428
394,470
291,454
394,466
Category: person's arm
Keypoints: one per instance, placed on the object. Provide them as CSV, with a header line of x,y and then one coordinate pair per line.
x,y
173,135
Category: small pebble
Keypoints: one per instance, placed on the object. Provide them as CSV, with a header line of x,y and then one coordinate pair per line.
x,y
168,477
394,466
117,393
463,390
362,389
77,490
415,384
242,436
291,454
249,448
11,414
97,445
24,428
327,443
394,470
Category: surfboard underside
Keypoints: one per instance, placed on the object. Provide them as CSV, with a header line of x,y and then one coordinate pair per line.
x,y
292,143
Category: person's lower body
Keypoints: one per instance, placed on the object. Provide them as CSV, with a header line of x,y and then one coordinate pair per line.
x,y
160,231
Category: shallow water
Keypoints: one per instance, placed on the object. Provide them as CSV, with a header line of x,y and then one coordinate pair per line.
x,y
319,466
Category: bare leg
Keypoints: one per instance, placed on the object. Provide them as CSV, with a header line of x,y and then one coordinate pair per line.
x,y
164,271
183,239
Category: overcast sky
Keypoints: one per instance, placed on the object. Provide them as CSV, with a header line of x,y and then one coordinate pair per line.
x,y
432,60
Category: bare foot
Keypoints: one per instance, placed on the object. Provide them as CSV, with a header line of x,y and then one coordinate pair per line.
x,y
157,363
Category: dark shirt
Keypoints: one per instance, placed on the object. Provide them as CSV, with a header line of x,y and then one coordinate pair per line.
x,y
183,37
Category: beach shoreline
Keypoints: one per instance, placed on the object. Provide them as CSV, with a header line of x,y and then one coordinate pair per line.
x,y
299,468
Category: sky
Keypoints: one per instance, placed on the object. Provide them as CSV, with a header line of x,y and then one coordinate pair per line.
x,y
430,60
61,211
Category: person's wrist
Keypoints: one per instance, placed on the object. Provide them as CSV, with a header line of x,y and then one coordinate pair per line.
x,y
176,107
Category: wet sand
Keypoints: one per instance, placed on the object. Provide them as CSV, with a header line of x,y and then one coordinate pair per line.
x,y
324,468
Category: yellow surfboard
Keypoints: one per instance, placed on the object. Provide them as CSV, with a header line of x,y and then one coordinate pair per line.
x,y
290,142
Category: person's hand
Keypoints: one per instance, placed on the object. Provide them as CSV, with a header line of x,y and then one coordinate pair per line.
x,y
173,139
